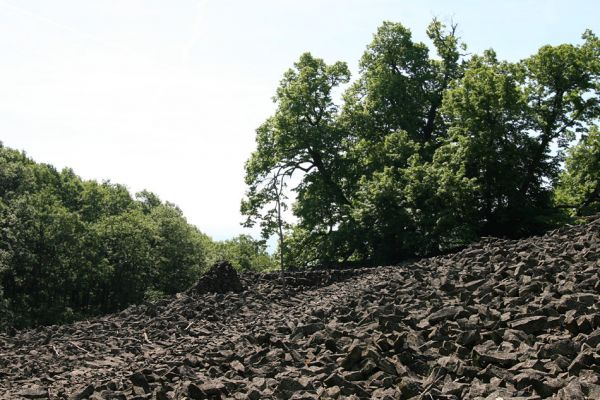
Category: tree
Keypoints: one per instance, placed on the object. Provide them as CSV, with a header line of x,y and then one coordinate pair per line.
x,y
579,184
301,137
392,120
266,203
427,153
44,240
129,245
244,253
5,256
486,111
71,248
400,86
563,96
180,249
16,173
509,116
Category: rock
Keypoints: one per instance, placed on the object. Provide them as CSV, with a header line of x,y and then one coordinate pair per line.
x,y
485,357
288,384
35,392
591,390
213,388
409,387
353,357
454,388
564,347
346,387
593,339
254,394
501,318
573,391
237,367
492,372
584,360
534,379
531,325
309,329
194,392
221,278
82,393
139,379
469,338
450,363
447,313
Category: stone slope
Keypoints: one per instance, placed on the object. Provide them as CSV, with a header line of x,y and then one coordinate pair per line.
x,y
500,319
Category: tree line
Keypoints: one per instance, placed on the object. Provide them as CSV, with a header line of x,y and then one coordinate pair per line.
x,y
73,248
422,154
425,152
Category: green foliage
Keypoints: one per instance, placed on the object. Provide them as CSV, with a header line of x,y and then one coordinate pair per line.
x,y
244,253
128,250
5,312
487,114
427,153
300,137
579,183
182,250
71,248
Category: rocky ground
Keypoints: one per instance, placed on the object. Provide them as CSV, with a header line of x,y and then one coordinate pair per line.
x,y
498,320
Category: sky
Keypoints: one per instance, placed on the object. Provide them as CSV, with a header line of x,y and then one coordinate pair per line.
x,y
166,95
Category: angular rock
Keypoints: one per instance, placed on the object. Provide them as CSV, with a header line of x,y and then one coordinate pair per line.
x,y
530,325
35,392
510,319
353,357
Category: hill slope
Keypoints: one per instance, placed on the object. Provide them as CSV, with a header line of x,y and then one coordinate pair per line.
x,y
499,319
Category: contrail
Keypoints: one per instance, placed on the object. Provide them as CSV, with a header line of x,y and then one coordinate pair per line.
x,y
59,25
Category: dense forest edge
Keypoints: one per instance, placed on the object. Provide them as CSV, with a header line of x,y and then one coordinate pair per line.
x,y
73,248
424,155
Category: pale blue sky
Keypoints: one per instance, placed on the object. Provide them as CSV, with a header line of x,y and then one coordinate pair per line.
x,y
166,95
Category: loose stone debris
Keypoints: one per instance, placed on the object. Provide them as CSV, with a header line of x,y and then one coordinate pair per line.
x,y
499,320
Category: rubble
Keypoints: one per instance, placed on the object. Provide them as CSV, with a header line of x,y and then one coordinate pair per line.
x,y
499,319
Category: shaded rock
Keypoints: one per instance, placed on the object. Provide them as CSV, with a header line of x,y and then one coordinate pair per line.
x,y
353,357
573,391
213,388
220,278
409,387
346,387
535,380
447,313
82,392
530,325
194,392
510,319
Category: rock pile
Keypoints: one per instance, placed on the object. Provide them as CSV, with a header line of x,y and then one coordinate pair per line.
x,y
500,319
221,278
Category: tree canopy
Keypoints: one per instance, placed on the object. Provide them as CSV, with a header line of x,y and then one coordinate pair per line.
x,y
426,153
71,248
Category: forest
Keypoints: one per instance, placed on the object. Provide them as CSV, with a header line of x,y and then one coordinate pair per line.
x,y
427,150
71,248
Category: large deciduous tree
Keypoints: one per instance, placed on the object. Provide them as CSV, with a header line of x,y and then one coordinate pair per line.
x,y
300,141
515,119
428,152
